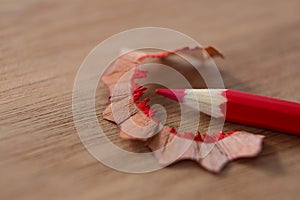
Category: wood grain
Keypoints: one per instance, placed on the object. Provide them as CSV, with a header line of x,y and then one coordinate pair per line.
x,y
42,44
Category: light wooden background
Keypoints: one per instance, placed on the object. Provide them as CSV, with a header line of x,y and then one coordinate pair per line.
x,y
42,44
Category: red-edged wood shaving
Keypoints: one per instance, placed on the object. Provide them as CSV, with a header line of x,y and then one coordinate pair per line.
x,y
127,107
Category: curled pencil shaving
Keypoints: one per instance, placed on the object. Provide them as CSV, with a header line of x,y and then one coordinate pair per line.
x,y
229,146
136,121
237,144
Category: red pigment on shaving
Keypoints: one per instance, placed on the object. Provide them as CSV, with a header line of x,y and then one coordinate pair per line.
x,y
157,55
142,105
139,74
202,137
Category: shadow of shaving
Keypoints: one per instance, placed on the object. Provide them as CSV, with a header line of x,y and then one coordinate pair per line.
x,y
195,78
267,161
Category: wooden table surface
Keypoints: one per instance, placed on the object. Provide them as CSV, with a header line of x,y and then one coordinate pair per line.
x,y
42,46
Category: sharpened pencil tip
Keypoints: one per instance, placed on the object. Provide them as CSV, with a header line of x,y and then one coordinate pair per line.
x,y
174,94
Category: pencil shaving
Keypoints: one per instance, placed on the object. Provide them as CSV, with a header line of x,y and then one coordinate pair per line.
x,y
239,144
127,110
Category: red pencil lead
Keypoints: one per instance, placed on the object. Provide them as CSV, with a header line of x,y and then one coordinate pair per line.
x,y
174,94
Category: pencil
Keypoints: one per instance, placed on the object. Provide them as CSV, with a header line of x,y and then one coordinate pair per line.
x,y
241,107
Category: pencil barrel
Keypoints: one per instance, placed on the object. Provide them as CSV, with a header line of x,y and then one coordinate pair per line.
x,y
261,111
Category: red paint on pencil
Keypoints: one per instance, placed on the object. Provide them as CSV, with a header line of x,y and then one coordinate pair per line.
x,y
262,111
251,109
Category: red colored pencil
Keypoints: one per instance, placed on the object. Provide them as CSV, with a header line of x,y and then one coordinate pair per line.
x,y
241,107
